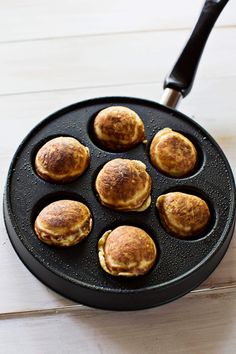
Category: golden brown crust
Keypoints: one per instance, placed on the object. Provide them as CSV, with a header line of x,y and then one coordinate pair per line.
x,y
63,223
61,160
118,128
172,153
124,184
126,251
183,215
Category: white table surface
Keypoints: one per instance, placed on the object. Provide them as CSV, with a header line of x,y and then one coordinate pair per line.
x,y
54,53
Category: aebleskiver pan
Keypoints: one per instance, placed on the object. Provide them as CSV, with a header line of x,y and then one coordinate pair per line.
x,y
182,264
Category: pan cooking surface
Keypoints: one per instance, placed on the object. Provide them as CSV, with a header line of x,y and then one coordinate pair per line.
x,y
75,272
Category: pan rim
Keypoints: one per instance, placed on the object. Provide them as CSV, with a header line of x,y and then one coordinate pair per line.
x,y
129,100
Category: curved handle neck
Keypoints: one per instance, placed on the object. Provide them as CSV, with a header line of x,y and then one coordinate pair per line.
x,y
182,75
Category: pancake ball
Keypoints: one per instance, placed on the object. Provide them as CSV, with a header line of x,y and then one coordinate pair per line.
x,y
172,153
126,251
183,215
124,185
63,223
118,128
62,160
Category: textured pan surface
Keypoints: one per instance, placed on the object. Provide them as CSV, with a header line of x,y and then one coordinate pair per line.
x,y
26,194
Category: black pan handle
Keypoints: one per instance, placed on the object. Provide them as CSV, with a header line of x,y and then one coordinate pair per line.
x,y
182,75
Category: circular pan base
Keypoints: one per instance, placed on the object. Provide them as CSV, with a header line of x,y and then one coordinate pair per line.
x,y
76,273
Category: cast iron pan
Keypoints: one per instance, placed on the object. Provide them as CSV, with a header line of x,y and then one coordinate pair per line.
x,y
182,264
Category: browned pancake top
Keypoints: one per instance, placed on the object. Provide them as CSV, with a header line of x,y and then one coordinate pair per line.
x,y
127,251
183,214
172,153
61,159
123,183
63,223
118,128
